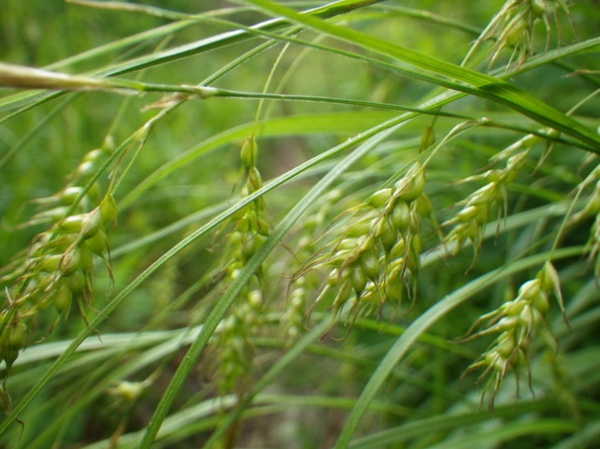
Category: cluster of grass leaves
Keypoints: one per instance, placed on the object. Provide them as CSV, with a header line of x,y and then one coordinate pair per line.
x,y
342,99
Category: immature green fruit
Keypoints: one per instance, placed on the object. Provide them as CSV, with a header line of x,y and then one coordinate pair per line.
x,y
424,206
108,209
400,215
386,235
70,262
467,214
76,281
398,250
512,308
506,345
541,303
17,335
62,297
370,264
93,156
73,224
539,7
411,186
70,194
51,263
530,289
394,287
359,279
427,138
380,198
248,152
517,34
91,223
97,243
359,228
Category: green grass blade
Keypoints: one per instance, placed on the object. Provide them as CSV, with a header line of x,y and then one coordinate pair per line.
x,y
421,324
232,292
480,84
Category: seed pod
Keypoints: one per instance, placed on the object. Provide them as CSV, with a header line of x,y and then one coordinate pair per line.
x,y
410,188
254,180
70,262
248,152
467,214
539,8
380,198
484,195
72,224
482,215
506,345
508,323
91,223
350,243
359,228
530,290
541,303
427,138
50,263
370,264
97,243
343,294
70,194
413,262
394,287
255,299
386,234
108,209
17,335
359,279
424,206
399,250
527,318
415,220
263,226
93,156
516,34
76,282
512,308
86,168
400,215
519,358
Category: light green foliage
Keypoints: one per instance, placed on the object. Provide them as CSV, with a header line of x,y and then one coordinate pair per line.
x,y
299,224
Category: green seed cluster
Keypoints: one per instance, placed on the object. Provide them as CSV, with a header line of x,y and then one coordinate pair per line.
x,y
516,322
305,281
57,268
469,222
514,27
250,229
377,258
591,209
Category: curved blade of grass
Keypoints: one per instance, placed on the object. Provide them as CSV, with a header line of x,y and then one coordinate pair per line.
x,y
212,224
27,100
483,85
446,422
426,320
217,314
510,431
330,123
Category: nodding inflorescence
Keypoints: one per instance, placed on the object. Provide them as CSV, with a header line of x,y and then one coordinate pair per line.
x,y
57,269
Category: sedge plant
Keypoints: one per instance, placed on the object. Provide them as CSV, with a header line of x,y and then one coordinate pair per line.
x,y
345,224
